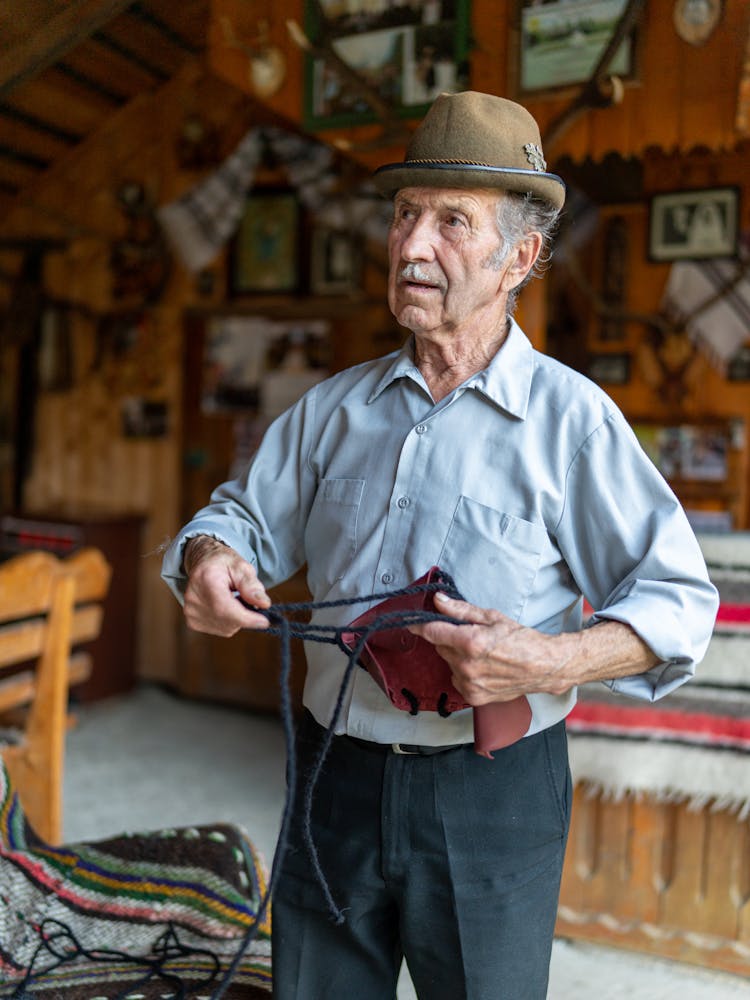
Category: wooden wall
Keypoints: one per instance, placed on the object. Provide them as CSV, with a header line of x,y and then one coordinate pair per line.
x,y
684,96
82,461
685,120
687,97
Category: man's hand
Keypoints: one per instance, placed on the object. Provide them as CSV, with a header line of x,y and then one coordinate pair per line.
x,y
495,659
215,574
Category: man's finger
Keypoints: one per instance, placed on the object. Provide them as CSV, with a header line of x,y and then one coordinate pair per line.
x,y
465,612
253,595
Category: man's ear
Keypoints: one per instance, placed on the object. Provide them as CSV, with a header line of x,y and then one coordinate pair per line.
x,y
525,254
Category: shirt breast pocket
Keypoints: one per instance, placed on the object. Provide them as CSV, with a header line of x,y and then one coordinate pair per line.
x,y
331,533
492,556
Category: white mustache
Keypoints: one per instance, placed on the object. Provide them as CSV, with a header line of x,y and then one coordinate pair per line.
x,y
415,272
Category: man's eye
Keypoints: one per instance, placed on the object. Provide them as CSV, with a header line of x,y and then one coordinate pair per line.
x,y
454,221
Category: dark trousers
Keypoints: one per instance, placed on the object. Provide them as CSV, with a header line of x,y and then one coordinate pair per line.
x,y
450,860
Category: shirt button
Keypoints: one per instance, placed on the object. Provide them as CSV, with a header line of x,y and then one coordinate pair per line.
x,y
420,428
403,502
387,577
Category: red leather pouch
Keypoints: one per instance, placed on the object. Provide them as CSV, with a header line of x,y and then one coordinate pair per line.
x,y
416,678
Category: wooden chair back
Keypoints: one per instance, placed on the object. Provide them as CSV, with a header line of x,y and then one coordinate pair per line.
x,y
48,606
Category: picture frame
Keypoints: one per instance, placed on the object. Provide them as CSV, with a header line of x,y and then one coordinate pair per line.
x,y
144,418
694,224
335,261
252,364
265,250
738,369
408,54
560,43
610,368
695,453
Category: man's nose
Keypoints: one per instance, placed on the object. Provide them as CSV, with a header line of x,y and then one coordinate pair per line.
x,y
419,242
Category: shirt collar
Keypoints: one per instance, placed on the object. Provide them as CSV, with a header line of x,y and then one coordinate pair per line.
x,y
402,366
506,381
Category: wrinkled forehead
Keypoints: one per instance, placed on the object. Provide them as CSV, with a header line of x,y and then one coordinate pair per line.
x,y
475,201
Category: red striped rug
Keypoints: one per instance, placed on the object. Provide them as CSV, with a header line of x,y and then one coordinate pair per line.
x,y
694,744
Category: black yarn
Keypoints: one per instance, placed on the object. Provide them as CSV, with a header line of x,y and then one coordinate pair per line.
x,y
58,940
280,625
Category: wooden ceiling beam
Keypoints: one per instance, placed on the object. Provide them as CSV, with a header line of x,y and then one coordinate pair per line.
x,y
54,39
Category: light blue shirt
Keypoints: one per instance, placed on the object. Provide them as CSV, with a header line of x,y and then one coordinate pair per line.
x,y
525,484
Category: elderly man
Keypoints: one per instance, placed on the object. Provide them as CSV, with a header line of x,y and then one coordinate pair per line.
x,y
469,451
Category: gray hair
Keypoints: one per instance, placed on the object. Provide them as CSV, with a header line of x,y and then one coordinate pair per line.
x,y
517,216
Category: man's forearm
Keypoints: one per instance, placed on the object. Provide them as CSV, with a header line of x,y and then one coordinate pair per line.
x,y
494,658
606,651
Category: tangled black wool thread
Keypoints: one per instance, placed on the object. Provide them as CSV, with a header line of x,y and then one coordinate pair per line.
x,y
59,941
287,630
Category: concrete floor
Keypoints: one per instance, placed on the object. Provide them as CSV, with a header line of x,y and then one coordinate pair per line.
x,y
152,760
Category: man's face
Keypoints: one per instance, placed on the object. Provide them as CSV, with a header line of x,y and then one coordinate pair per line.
x,y
445,254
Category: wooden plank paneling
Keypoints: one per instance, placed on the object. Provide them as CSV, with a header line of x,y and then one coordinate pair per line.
x,y
55,97
148,41
31,141
671,881
15,174
82,459
189,19
18,22
52,38
100,63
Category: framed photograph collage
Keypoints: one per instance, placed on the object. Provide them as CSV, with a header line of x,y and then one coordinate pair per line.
x,y
277,250
406,53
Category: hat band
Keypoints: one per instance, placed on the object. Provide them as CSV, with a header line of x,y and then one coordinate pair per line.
x,y
467,165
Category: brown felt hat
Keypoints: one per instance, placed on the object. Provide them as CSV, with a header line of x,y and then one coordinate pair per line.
x,y
473,140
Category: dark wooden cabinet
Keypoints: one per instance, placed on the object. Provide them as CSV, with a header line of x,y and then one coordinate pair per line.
x,y
114,652
244,670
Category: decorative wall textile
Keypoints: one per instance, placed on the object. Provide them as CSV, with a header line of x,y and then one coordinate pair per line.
x,y
721,328
185,897
201,221
694,744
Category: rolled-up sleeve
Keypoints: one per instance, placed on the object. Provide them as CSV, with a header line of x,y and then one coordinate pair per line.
x,y
631,549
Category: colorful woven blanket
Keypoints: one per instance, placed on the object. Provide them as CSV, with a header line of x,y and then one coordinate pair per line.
x,y
694,744
145,914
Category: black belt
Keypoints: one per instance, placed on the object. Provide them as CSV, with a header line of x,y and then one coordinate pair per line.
x,y
412,749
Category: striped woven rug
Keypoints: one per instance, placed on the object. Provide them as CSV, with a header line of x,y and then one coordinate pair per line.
x,y
142,912
694,744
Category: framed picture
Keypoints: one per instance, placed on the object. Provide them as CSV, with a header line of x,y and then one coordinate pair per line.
x,y
695,224
560,43
264,254
738,369
335,262
691,452
408,53
144,418
256,365
609,369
